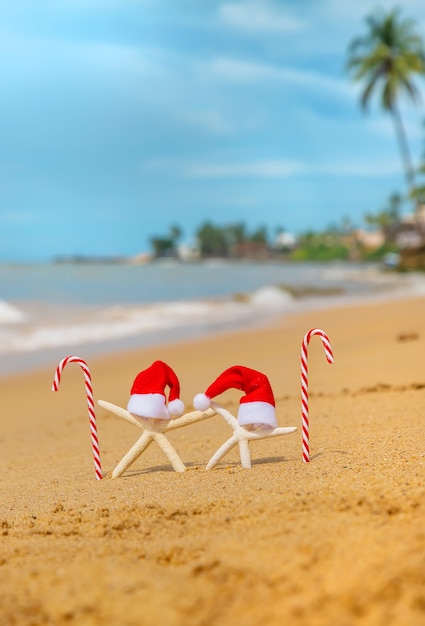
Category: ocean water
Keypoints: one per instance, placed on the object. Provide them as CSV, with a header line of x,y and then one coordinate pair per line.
x,y
48,311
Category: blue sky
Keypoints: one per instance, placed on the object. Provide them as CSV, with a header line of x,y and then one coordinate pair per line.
x,y
122,117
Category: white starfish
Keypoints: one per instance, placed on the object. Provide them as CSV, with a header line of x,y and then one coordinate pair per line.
x,y
154,430
242,436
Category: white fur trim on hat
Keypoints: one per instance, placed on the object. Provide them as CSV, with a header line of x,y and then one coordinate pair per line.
x,y
176,407
148,405
257,413
201,402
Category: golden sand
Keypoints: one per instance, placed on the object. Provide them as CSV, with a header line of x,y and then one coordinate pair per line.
x,y
336,542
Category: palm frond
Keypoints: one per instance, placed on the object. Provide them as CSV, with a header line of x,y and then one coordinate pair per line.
x,y
386,57
385,60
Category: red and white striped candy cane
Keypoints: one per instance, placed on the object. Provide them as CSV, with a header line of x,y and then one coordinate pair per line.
x,y
90,404
304,384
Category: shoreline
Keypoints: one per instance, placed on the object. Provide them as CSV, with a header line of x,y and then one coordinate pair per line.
x,y
27,361
336,541
65,310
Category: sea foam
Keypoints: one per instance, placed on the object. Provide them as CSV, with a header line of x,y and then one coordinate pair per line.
x,y
117,322
10,314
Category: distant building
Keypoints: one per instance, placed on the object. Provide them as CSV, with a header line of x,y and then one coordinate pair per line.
x,y
189,252
408,237
410,231
250,250
285,241
371,240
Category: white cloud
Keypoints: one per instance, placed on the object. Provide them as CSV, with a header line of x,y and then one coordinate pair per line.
x,y
277,168
361,8
86,6
258,169
362,168
211,121
118,57
379,124
271,168
256,15
249,71
29,51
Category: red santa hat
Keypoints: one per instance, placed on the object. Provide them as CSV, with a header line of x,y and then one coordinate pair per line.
x,y
148,398
257,406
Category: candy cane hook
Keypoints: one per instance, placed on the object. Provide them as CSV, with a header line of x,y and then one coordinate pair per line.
x,y
90,404
304,384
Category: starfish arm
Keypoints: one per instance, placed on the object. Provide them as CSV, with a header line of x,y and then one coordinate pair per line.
x,y
170,453
276,432
283,430
119,412
244,453
140,446
178,422
230,419
224,449
189,418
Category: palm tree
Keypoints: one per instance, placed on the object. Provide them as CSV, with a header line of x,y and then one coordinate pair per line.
x,y
385,59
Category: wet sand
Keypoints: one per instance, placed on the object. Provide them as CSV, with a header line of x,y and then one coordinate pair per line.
x,y
335,542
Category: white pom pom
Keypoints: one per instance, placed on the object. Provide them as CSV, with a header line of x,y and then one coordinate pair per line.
x,y
201,402
176,407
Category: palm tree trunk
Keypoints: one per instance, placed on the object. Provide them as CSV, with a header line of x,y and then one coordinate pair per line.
x,y
404,147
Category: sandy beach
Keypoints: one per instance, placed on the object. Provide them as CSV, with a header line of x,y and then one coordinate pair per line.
x,y
336,542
